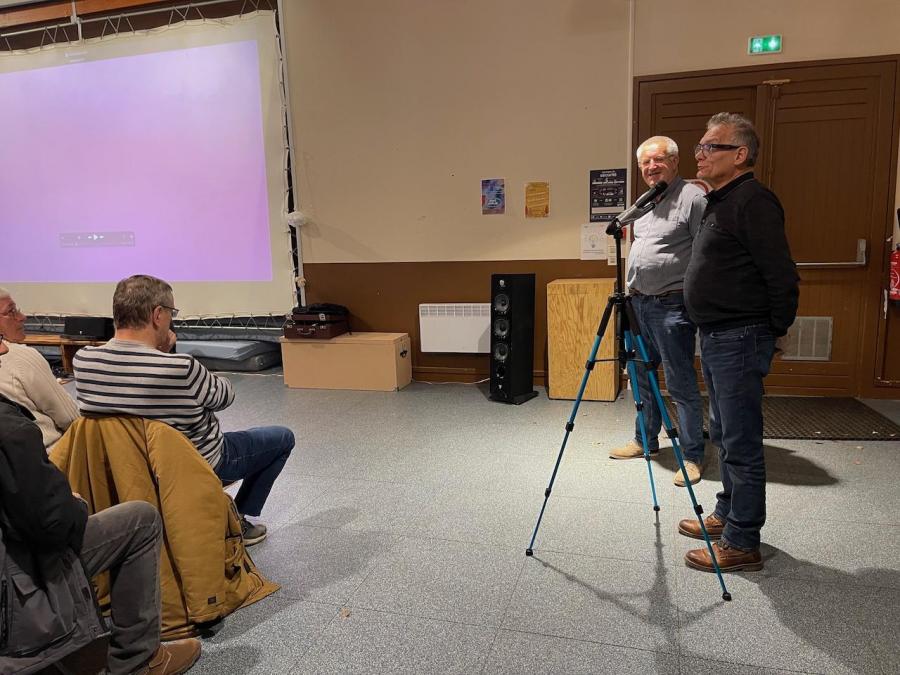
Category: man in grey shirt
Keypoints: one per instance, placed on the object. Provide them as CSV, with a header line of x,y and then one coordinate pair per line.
x,y
656,265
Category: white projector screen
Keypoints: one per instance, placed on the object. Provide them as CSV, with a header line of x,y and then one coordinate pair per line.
x,y
160,153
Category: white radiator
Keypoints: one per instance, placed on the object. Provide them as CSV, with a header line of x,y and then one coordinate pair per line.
x,y
455,327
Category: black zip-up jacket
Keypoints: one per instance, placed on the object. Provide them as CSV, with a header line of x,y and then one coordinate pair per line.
x,y
35,498
741,272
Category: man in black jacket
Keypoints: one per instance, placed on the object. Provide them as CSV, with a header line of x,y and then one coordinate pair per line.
x,y
42,522
741,290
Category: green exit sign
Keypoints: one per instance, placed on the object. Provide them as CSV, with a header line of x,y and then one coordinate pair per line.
x,y
764,44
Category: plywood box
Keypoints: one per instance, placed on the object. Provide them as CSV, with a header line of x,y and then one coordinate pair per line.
x,y
372,361
574,309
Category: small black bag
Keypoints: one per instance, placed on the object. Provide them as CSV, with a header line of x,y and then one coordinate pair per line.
x,y
319,321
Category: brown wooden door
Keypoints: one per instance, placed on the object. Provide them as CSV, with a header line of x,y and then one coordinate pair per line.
x,y
827,152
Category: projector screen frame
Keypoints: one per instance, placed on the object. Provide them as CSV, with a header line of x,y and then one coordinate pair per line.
x,y
45,310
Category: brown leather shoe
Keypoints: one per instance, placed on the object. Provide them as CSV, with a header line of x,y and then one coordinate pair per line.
x,y
631,450
172,658
690,527
730,559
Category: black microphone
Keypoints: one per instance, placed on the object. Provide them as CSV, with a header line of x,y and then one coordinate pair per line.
x,y
644,204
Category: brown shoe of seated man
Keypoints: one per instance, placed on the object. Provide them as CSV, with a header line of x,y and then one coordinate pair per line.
x,y
631,450
730,559
173,658
690,527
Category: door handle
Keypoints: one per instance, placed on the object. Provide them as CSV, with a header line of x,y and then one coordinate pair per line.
x,y
862,259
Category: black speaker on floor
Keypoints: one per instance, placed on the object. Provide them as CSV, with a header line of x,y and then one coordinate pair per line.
x,y
512,338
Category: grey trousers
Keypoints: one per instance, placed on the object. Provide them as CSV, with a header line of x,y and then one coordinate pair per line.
x,y
125,540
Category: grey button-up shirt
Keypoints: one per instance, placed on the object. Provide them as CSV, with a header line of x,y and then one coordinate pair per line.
x,y
663,238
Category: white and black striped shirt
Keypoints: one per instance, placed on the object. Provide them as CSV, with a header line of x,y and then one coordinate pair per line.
x,y
129,378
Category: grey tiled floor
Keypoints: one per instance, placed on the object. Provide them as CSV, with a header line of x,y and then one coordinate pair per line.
x,y
399,526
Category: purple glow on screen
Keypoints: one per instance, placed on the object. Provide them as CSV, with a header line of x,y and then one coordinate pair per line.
x,y
144,164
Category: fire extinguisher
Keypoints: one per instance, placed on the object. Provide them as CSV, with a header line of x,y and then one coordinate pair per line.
x,y
894,293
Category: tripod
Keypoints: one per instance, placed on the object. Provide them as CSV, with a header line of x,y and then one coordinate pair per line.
x,y
631,351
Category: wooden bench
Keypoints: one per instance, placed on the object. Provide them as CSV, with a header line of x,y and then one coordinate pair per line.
x,y
67,346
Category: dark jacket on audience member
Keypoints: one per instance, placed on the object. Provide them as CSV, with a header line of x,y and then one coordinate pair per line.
x,y
741,272
47,608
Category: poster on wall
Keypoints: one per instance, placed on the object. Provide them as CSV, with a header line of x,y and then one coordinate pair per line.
x,y
607,190
595,243
537,199
493,196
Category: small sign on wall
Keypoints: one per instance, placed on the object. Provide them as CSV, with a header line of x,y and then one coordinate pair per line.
x,y
537,199
493,196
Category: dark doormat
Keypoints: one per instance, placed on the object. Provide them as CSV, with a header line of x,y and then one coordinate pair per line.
x,y
817,418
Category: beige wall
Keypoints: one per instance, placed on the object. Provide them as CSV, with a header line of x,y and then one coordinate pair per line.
x,y
698,34
401,107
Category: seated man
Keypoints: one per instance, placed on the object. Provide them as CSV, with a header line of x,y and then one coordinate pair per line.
x,y
135,374
27,380
43,522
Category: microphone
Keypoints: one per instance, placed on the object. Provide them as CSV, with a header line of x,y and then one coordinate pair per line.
x,y
643,205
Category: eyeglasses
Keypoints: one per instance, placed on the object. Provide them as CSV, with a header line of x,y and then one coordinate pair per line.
x,y
659,159
172,310
13,311
706,148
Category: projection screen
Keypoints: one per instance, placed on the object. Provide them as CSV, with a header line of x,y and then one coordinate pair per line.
x,y
161,153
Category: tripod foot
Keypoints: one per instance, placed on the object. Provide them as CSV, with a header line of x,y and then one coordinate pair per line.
x,y
726,596
656,507
529,553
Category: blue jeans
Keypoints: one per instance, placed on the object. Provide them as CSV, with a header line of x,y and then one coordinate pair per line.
x,y
670,338
255,456
735,361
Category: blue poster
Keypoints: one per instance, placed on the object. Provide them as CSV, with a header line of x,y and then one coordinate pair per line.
x,y
493,196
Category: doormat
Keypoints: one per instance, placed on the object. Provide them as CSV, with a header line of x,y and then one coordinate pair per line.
x,y
817,418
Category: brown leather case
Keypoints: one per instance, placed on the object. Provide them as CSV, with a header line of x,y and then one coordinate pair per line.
x,y
315,327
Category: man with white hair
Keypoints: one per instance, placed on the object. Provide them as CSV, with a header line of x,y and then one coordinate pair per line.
x,y
27,380
657,262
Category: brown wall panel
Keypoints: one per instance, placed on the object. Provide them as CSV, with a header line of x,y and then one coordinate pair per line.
x,y
386,297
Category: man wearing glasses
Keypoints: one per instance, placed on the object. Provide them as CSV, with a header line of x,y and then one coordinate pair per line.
x,y
26,377
656,264
741,291
135,374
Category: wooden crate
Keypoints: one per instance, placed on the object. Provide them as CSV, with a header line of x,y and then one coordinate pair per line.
x,y
369,361
574,309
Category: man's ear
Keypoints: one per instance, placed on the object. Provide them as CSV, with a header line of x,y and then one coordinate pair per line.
x,y
154,316
740,157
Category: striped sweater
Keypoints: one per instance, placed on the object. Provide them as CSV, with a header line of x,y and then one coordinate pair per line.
x,y
130,378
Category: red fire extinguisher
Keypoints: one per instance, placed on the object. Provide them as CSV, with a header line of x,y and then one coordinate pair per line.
x,y
895,275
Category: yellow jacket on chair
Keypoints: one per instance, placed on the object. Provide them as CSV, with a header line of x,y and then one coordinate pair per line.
x,y
205,572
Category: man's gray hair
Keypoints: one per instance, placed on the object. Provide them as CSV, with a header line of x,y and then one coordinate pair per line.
x,y
742,130
135,299
670,145
4,293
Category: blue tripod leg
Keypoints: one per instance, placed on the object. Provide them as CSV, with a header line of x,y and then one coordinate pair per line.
x,y
570,425
639,406
673,434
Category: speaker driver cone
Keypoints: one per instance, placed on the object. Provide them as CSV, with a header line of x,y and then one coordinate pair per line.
x,y
501,351
501,302
501,328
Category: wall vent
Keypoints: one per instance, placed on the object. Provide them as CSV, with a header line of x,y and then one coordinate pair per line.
x,y
809,339
455,327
